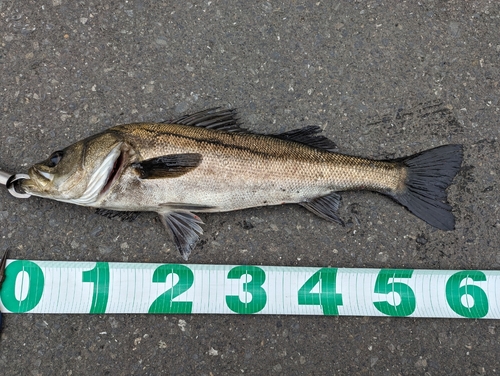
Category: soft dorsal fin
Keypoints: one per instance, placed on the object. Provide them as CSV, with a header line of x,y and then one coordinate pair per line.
x,y
308,136
223,120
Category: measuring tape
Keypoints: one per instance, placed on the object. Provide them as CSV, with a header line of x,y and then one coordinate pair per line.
x,y
102,287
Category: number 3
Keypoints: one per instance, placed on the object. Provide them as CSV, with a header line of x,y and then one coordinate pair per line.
x,y
254,287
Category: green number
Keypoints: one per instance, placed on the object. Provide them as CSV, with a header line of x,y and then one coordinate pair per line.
x,y
34,288
99,276
327,297
253,287
476,308
164,303
407,304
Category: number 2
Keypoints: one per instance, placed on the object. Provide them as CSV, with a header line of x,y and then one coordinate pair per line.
x,y
164,303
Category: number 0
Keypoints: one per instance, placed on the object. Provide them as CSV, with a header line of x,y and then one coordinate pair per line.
x,y
35,286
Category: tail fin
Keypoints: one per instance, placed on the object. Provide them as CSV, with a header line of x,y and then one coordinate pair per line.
x,y
429,174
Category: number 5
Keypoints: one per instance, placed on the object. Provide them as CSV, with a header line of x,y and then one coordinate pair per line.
x,y
407,304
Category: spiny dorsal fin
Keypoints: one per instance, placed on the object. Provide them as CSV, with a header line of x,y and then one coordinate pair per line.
x,y
223,120
167,166
308,136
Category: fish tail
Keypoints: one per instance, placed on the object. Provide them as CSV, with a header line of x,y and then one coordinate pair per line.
x,y
429,173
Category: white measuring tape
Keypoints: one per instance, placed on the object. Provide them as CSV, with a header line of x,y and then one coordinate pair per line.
x,y
102,287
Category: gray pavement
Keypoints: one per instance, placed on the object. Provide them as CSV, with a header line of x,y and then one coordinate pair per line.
x,y
384,79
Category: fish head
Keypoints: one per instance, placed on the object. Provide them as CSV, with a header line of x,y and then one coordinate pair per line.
x,y
82,172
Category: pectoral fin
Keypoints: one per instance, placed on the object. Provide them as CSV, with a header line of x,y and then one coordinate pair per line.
x,y
185,229
167,166
325,207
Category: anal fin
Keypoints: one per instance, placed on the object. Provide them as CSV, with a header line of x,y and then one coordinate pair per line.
x,y
185,229
325,207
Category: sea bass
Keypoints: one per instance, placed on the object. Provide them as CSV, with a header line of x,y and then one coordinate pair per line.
x,y
206,162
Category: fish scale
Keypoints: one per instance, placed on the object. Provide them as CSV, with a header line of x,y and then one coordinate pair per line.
x,y
251,154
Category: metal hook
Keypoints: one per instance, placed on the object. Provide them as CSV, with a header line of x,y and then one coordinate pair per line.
x,y
4,177
9,180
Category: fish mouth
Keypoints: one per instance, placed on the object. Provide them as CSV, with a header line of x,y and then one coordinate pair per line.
x,y
44,176
36,182
115,172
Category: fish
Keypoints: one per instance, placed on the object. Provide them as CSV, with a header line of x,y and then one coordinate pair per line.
x,y
207,162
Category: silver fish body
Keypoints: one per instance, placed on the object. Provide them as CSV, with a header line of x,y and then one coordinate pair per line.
x,y
206,163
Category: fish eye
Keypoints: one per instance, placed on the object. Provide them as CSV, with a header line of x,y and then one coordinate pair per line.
x,y
55,158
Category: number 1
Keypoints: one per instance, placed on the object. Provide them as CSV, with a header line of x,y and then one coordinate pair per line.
x,y
99,276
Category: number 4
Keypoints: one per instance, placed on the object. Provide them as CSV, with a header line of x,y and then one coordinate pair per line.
x,y
327,297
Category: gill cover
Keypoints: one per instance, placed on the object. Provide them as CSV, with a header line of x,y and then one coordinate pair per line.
x,y
78,173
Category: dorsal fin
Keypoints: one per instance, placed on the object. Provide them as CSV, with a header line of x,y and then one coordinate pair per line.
x,y
227,120
308,136
223,120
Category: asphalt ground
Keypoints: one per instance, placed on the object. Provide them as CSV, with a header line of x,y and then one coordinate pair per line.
x,y
383,79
